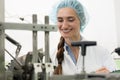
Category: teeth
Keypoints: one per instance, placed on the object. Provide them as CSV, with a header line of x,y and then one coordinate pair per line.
x,y
66,30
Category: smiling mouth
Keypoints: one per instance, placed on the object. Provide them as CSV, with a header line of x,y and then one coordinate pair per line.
x,y
66,30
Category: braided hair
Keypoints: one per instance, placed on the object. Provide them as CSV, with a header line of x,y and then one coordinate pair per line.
x,y
60,56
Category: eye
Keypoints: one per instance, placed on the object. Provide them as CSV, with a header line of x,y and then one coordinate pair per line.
x,y
59,19
71,19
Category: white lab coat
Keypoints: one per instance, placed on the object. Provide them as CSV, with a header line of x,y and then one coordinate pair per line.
x,y
96,57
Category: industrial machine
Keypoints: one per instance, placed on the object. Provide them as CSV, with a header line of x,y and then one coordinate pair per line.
x,y
33,67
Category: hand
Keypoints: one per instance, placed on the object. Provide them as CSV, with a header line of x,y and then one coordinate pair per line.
x,y
102,70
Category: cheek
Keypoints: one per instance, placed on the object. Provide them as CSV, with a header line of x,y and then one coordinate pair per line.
x,y
76,30
59,26
76,27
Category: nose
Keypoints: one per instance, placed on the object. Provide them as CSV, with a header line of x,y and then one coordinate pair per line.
x,y
65,25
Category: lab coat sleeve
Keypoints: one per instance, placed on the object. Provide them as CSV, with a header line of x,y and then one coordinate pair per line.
x,y
107,60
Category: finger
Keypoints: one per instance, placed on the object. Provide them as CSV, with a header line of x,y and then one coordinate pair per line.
x,y
103,70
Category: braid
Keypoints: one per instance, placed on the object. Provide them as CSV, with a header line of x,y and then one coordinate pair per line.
x,y
60,56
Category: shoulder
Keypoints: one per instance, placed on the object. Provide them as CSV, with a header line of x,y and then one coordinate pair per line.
x,y
100,48
96,48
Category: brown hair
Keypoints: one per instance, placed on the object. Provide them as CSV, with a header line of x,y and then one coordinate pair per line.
x,y
60,56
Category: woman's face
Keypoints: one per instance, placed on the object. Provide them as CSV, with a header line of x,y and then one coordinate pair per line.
x,y
68,23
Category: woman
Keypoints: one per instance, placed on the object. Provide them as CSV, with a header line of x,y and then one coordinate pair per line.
x,y
71,19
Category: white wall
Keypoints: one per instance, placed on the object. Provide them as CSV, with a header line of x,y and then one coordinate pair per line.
x,y
117,19
101,28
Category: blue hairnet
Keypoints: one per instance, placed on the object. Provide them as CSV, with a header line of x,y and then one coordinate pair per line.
x,y
74,4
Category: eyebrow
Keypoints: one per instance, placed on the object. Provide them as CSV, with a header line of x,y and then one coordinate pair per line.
x,y
67,17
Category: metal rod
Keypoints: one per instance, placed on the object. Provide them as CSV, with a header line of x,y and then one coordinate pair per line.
x,y
35,54
2,53
47,59
26,26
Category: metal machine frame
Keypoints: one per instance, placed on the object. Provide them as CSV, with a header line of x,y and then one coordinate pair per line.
x,y
23,26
